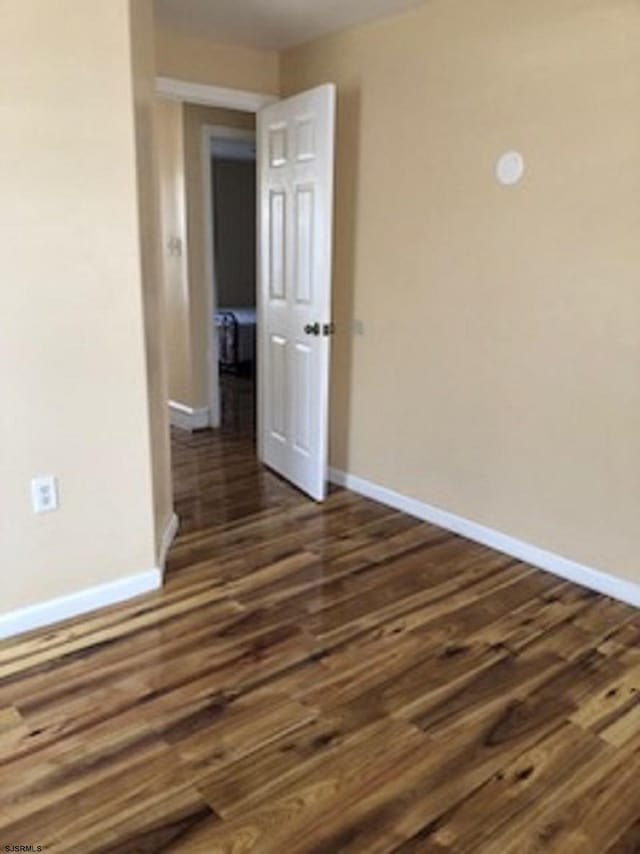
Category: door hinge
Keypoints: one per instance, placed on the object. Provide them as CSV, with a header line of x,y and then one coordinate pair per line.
x,y
328,328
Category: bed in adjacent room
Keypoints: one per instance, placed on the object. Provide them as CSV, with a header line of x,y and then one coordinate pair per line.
x,y
236,328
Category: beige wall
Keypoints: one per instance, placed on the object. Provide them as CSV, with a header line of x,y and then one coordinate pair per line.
x,y
499,373
179,128
73,366
202,61
195,118
173,238
198,60
234,194
143,64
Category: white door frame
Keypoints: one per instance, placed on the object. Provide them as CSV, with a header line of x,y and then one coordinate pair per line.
x,y
229,99
210,133
213,96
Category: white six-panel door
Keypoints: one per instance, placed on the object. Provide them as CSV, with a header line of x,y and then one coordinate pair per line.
x,y
295,185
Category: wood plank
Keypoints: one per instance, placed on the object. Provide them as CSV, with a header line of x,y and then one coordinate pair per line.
x,y
539,772
586,815
324,678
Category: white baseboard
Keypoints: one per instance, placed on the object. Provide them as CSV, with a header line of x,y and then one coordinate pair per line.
x,y
75,604
187,418
168,537
594,579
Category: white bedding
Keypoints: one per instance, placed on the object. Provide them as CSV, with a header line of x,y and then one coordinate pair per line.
x,y
244,316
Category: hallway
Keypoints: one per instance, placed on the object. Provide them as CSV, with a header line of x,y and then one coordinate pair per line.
x,y
322,679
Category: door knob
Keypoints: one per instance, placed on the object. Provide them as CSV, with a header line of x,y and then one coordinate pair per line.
x,y
312,329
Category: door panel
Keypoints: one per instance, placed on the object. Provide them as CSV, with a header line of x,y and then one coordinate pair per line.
x,y
278,377
304,245
277,144
277,241
295,177
303,380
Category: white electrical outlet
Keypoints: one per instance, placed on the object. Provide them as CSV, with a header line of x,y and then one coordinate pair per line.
x,y
44,494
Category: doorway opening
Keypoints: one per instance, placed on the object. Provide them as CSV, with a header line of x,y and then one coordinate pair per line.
x,y
230,329
229,173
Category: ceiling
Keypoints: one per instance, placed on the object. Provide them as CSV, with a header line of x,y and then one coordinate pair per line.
x,y
274,24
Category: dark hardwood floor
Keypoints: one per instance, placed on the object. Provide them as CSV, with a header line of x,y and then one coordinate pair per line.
x,y
323,679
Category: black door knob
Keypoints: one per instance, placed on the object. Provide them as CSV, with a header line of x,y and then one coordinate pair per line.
x,y
312,329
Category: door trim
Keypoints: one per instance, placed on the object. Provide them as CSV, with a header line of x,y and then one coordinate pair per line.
x,y
213,96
